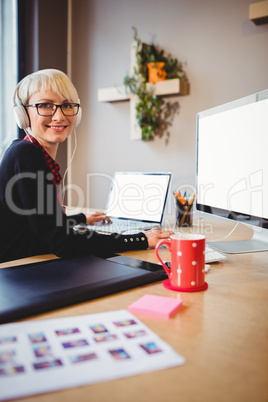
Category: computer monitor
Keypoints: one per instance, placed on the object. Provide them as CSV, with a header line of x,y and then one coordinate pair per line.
x,y
232,167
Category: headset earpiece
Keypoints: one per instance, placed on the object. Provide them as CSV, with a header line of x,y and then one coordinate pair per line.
x,y
21,117
20,114
78,117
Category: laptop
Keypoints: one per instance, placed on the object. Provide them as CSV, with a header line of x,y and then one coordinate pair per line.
x,y
137,201
32,289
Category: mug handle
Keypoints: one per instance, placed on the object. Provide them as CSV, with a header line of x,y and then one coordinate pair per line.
x,y
168,243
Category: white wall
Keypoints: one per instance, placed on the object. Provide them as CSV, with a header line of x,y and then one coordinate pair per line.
x,y
225,56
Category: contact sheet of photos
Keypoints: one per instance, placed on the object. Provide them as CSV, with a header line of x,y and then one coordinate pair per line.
x,y
44,356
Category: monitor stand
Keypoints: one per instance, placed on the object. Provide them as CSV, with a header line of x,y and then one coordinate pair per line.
x,y
258,242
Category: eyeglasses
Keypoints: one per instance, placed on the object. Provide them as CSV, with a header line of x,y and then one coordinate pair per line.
x,y
49,109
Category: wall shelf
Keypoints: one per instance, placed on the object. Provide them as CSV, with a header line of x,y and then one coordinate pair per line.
x,y
113,94
258,12
167,87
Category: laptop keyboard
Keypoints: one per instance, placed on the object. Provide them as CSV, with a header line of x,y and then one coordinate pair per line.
x,y
116,227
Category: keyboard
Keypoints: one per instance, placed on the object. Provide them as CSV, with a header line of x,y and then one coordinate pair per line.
x,y
212,255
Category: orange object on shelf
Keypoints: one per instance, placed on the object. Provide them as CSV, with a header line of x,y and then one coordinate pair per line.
x,y
156,72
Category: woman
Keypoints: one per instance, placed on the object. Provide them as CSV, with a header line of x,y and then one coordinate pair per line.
x,y
33,221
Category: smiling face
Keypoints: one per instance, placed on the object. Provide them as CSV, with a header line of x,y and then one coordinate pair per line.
x,y
50,130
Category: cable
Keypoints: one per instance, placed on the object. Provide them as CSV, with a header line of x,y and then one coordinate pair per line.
x,y
228,234
64,175
63,180
27,134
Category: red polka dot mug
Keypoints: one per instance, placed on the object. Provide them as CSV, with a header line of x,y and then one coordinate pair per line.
x,y
187,271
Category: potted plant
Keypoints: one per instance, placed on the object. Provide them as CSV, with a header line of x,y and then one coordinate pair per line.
x,y
153,114
150,54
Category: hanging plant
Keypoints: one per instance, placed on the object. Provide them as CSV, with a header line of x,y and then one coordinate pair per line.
x,y
149,107
153,114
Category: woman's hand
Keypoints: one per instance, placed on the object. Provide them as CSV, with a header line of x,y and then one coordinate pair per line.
x,y
97,216
157,234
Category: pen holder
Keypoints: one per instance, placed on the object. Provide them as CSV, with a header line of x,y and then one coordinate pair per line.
x,y
184,218
184,210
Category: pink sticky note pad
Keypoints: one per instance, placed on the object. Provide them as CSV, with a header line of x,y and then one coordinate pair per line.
x,y
158,306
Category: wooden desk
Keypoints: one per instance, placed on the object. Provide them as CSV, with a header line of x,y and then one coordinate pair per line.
x,y
221,332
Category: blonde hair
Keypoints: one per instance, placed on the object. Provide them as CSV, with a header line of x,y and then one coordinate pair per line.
x,y
44,80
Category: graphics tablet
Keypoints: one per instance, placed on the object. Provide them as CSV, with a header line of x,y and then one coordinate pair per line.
x,y
39,287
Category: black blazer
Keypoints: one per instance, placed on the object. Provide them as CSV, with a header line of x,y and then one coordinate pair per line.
x,y
32,219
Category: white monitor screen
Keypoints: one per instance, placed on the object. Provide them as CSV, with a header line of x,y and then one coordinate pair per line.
x,y
232,161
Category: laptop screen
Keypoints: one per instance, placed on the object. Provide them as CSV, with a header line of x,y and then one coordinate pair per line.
x,y
139,196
